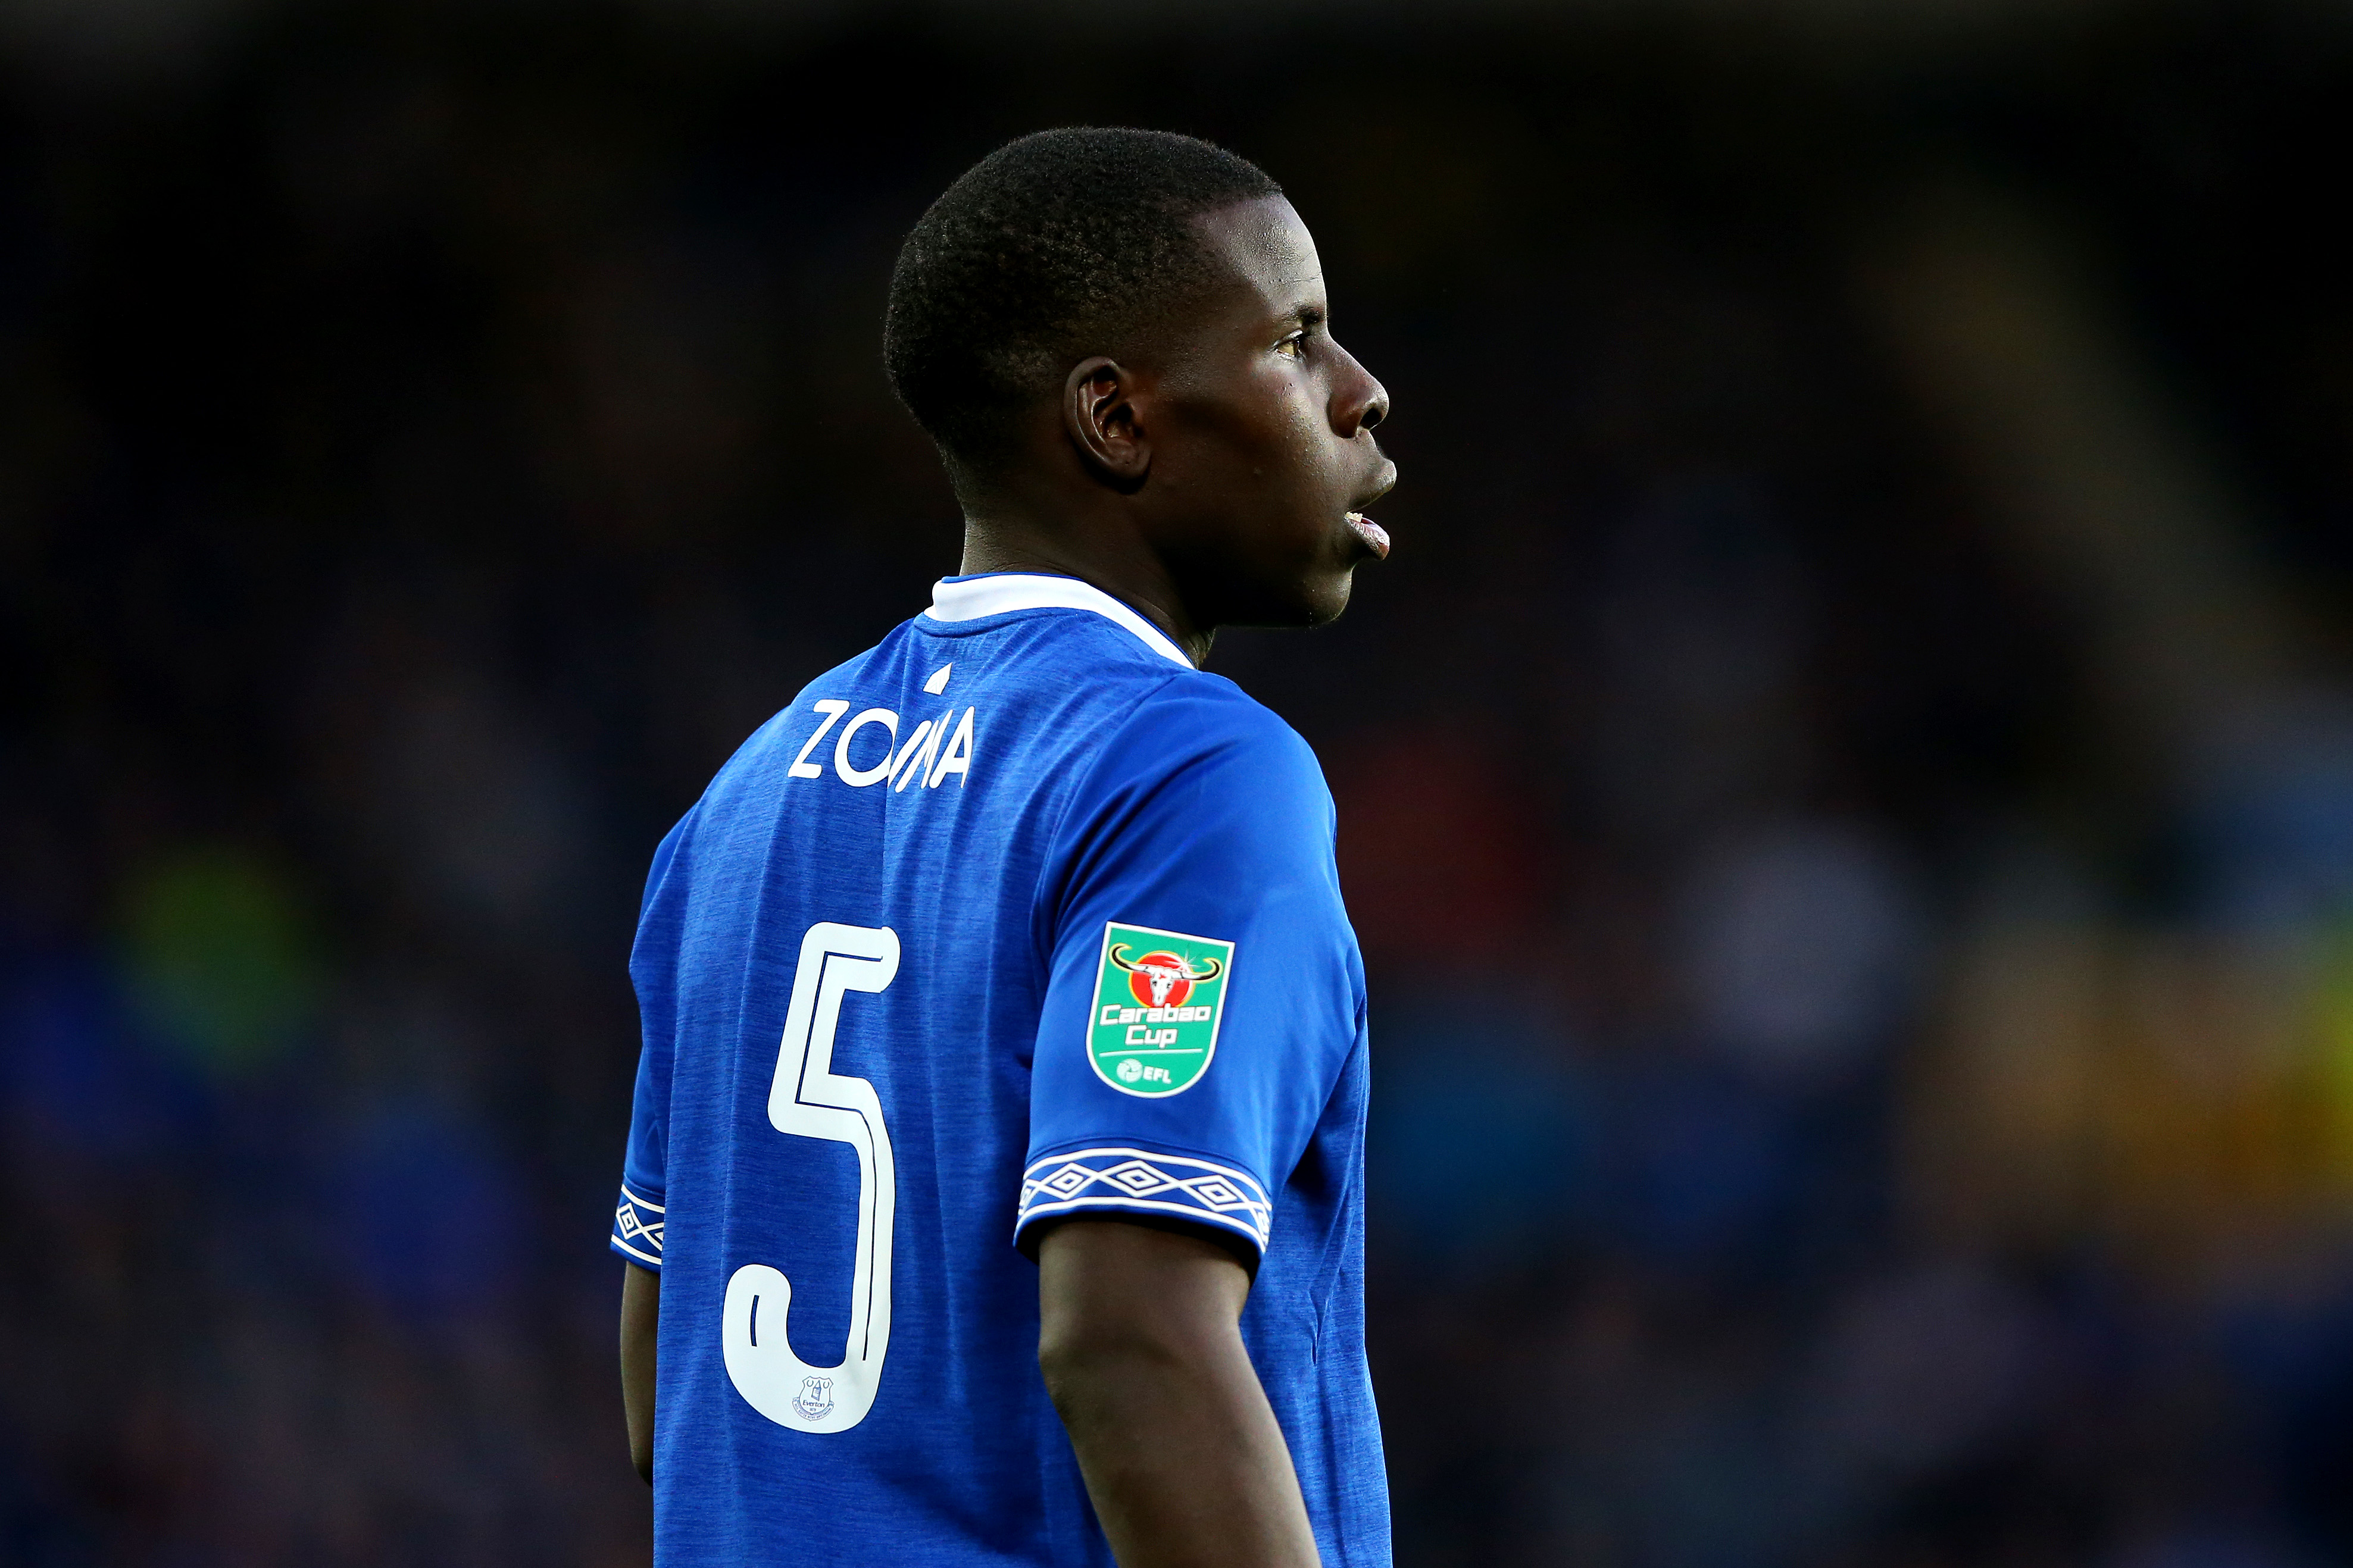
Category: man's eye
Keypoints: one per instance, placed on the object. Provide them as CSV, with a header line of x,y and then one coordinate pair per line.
x,y
1296,345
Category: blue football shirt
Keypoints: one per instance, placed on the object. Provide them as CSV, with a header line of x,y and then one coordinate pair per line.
x,y
1016,916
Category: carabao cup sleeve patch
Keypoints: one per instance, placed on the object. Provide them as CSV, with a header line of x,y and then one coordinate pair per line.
x,y
1145,1179
1160,996
637,1229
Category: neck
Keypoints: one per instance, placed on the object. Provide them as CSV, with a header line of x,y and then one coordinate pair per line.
x,y
1109,556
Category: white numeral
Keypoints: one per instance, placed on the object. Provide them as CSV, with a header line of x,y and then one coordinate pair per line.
x,y
809,1099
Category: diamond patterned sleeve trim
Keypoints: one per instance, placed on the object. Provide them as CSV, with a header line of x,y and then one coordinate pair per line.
x,y
1141,1179
638,1229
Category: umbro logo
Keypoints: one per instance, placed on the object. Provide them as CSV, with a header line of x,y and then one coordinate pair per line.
x,y
632,1229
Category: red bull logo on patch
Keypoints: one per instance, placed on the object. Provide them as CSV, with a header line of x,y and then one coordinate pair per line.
x,y
1158,998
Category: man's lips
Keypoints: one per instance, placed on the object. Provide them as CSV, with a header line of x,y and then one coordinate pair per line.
x,y
1376,537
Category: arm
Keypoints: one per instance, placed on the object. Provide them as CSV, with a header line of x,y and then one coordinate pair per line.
x,y
640,1311
1140,1344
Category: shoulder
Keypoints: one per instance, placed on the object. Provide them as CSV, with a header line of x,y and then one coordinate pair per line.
x,y
1201,739
1222,717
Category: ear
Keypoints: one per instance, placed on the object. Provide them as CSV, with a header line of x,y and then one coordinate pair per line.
x,y
1098,413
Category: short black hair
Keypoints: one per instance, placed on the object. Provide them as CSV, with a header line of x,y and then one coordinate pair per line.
x,y
1056,245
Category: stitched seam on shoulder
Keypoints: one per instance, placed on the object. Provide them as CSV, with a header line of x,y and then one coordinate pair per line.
x,y
1054,834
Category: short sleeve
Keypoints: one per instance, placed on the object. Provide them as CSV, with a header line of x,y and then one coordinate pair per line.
x,y
639,1216
1205,990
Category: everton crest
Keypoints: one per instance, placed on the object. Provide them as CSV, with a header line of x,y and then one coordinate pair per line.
x,y
815,1401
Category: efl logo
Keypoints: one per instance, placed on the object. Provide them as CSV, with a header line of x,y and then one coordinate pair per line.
x,y
1159,996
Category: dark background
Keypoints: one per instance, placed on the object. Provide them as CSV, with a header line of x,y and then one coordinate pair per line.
x,y
1846,783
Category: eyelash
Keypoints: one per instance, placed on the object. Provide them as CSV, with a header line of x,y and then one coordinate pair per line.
x,y
1296,345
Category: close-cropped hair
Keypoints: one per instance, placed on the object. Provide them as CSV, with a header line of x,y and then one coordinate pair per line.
x,y
1057,246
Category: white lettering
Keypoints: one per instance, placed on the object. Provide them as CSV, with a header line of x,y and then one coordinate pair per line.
x,y
910,766
1138,1035
1110,1013
957,759
1129,1014
833,707
859,778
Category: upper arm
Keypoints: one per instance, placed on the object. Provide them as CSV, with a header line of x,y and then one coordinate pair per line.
x,y
1109,1285
640,1328
640,1315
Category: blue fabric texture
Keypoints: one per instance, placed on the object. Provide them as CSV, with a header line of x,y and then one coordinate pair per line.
x,y
907,876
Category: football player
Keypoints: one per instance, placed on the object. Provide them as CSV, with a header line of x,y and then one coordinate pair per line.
x,y
1000,1013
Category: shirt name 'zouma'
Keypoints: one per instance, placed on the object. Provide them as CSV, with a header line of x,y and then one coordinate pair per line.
x,y
933,752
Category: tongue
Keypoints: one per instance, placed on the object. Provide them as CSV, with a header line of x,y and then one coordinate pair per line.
x,y
1371,533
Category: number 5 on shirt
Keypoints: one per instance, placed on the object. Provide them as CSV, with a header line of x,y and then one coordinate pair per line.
x,y
809,1099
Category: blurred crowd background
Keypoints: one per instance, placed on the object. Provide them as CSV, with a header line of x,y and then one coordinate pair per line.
x,y
1846,783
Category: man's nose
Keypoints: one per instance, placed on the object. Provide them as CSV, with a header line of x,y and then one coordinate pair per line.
x,y
1361,404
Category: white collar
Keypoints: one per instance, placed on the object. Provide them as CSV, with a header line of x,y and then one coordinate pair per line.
x,y
1001,592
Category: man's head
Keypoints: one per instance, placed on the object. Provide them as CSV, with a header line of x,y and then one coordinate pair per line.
x,y
1118,339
